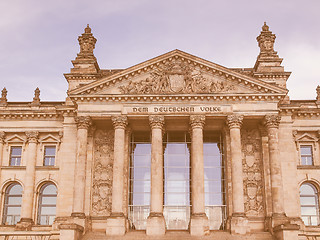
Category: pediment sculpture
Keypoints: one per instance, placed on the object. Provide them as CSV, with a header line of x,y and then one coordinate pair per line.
x,y
176,77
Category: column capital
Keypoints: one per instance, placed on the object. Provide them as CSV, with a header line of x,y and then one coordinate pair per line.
x,y
32,136
272,121
234,121
2,136
83,122
197,121
120,121
156,121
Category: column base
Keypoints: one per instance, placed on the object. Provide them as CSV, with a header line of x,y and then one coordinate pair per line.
x,y
70,231
116,225
287,232
25,224
239,224
156,224
199,224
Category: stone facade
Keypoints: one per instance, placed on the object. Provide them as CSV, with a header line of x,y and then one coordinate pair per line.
x,y
82,148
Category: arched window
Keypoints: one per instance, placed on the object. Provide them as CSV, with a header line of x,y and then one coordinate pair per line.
x,y
12,204
47,204
309,204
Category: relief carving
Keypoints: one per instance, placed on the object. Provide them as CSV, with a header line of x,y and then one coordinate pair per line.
x,y
102,176
176,77
252,172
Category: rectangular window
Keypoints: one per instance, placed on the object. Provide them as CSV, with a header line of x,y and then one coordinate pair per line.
x,y
140,180
49,155
15,156
306,155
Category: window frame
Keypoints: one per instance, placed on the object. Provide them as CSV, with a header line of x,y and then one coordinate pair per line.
x,y
301,155
316,206
44,155
16,156
40,204
6,204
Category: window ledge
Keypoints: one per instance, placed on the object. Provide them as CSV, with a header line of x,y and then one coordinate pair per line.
x,y
14,167
308,167
45,168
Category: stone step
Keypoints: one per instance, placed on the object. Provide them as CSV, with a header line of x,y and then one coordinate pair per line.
x,y
178,235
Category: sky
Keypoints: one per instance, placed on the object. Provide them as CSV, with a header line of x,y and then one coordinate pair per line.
x,y
39,38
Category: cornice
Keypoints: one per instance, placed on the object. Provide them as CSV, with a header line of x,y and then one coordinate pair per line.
x,y
176,98
151,64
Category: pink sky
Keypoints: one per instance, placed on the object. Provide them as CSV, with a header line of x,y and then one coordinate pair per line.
x,y
39,38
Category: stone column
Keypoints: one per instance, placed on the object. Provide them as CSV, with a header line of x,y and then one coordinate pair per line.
x,y
199,224
156,223
238,219
83,124
26,220
117,223
272,123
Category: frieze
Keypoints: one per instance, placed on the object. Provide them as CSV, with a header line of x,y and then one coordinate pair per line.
x,y
171,109
102,173
176,77
252,172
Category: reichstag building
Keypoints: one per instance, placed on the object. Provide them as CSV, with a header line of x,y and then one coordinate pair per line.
x,y
176,147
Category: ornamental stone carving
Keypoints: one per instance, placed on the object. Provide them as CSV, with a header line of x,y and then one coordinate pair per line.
x,y
83,122
3,99
197,121
272,121
32,136
156,121
234,121
176,77
120,121
266,41
2,136
252,172
102,173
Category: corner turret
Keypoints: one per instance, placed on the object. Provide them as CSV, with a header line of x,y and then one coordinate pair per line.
x,y
85,66
268,65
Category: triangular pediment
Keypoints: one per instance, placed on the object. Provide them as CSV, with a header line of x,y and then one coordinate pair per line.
x,y
177,73
306,138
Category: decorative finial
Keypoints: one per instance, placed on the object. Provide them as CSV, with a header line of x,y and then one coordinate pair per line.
x,y
266,42
318,94
36,99
4,99
265,27
87,29
87,43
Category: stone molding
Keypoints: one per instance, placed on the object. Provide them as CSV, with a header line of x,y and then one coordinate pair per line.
x,y
197,121
83,122
156,121
32,136
234,121
120,121
272,120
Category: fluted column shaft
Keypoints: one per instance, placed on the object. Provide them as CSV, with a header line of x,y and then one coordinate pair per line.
x,y
156,204
119,123
28,191
234,122
272,123
83,124
197,165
